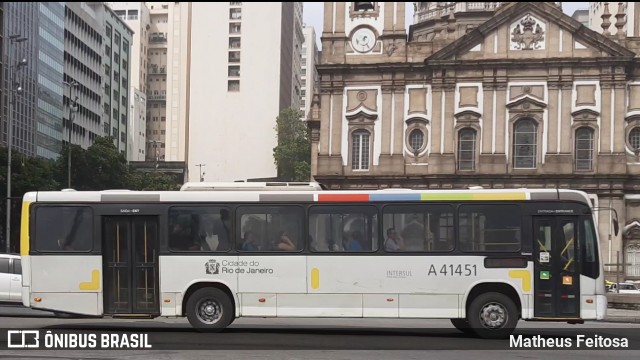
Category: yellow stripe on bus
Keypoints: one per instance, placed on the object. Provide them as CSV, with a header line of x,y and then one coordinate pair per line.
x,y
24,229
94,284
315,278
523,275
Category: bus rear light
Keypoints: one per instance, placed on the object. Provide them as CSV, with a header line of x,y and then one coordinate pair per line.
x,y
37,299
589,301
167,300
542,295
262,300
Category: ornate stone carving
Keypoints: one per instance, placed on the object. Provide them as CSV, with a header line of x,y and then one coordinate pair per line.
x,y
390,48
528,34
362,96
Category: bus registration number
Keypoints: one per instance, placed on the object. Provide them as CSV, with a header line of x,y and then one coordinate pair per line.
x,y
453,270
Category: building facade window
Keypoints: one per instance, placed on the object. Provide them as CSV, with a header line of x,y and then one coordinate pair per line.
x,y
360,150
584,149
525,144
467,149
416,140
634,139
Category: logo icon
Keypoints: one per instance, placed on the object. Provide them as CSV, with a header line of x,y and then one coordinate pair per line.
x,y
212,267
544,275
23,339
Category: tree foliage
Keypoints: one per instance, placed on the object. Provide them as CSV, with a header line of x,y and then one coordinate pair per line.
x,y
292,156
100,167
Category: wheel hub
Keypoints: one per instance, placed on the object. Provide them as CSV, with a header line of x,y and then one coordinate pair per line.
x,y
493,315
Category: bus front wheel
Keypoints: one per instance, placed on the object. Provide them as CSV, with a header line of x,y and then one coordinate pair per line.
x,y
209,310
492,315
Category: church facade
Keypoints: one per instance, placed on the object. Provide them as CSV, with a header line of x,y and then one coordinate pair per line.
x,y
498,95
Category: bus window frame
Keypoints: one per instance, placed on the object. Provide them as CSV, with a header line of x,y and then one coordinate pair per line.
x,y
167,230
33,219
238,212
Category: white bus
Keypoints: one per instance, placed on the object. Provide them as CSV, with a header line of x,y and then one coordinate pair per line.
x,y
482,258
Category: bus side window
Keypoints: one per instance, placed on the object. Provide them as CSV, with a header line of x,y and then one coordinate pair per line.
x,y
64,229
343,228
419,228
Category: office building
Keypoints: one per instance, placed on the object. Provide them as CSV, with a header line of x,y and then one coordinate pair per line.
x,y
242,75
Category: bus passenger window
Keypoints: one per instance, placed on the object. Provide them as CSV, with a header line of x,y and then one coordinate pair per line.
x,y
64,229
349,228
270,228
489,228
204,229
420,228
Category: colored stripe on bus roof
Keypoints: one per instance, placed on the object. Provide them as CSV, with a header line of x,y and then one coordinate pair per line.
x,y
474,196
394,197
344,197
445,196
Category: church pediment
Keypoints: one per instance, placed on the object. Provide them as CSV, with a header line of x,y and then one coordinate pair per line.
x,y
361,114
526,104
468,116
530,31
585,115
632,230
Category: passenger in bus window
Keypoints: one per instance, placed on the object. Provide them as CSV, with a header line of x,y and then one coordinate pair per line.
x,y
222,230
208,238
250,242
354,244
393,242
284,243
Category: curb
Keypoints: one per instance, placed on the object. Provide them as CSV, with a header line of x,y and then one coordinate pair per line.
x,y
621,319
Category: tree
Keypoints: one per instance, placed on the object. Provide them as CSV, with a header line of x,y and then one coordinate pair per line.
x,y
292,156
100,167
139,180
27,174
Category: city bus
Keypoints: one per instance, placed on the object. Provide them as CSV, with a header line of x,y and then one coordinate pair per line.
x,y
483,258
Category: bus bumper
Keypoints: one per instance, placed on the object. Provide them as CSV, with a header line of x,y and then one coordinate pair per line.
x,y
601,310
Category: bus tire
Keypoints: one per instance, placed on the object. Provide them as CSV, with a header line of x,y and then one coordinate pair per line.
x,y
462,325
209,310
492,315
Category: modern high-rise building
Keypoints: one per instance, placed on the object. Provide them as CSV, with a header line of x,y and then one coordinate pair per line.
x,y
117,41
83,73
167,80
34,32
309,72
136,143
628,15
136,15
241,75
297,53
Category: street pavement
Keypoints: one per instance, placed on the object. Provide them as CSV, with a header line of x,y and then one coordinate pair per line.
x,y
302,338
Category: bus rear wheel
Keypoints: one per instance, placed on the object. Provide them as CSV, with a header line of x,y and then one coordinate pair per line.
x,y
492,316
209,310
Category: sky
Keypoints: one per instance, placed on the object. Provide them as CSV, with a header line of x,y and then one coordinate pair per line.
x,y
312,14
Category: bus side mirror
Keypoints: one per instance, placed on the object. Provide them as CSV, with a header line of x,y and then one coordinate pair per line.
x,y
616,226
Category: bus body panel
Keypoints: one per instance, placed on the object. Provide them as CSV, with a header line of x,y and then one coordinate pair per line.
x,y
433,285
78,291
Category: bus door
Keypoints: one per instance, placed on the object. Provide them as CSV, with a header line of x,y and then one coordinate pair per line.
x,y
556,269
130,251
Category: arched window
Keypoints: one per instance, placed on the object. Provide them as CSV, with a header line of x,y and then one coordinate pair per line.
x,y
416,140
584,149
360,150
634,139
525,144
467,149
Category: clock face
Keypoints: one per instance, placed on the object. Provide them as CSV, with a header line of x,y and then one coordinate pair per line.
x,y
363,40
